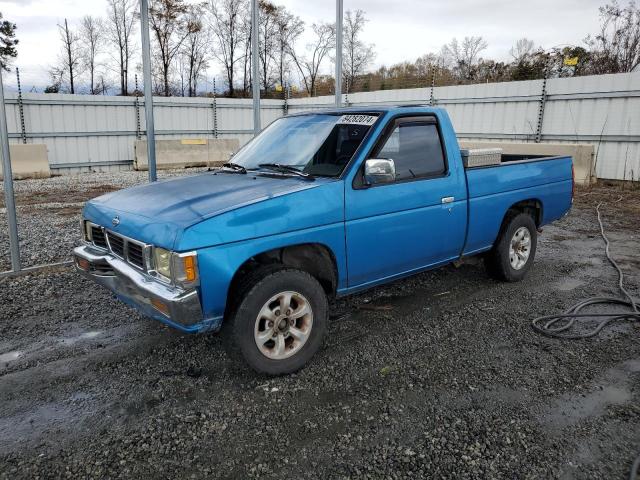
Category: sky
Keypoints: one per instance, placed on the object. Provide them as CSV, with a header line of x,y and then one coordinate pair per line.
x,y
400,29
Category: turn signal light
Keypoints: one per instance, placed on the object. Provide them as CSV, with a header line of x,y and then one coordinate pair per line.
x,y
83,264
190,272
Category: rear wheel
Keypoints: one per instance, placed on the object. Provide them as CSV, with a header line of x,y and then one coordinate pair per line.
x,y
512,255
280,321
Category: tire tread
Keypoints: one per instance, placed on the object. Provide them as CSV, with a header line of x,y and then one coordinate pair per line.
x,y
254,282
497,259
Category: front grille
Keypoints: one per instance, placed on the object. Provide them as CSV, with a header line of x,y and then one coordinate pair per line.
x,y
132,251
97,235
116,242
135,254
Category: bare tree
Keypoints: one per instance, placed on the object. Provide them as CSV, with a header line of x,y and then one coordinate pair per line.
x,y
289,29
316,52
357,55
120,29
195,48
616,47
465,54
91,31
278,30
425,64
104,86
168,22
268,31
69,60
522,49
183,73
245,31
226,27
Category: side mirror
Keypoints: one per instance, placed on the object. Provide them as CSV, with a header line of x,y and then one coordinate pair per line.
x,y
379,170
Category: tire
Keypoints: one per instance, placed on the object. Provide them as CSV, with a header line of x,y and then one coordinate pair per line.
x,y
512,266
290,341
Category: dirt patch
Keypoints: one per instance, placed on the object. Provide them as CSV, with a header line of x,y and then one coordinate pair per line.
x,y
63,196
625,199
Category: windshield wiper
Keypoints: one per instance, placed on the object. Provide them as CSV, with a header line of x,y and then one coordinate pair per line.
x,y
234,167
279,167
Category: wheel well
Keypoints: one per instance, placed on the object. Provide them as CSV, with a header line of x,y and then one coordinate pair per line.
x,y
315,259
532,207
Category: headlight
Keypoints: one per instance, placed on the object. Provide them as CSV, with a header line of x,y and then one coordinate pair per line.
x,y
162,262
180,268
86,231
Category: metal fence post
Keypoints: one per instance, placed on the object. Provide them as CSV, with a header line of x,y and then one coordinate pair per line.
x,y
148,96
541,102
9,199
214,106
432,100
137,105
255,76
285,105
339,8
21,108
346,93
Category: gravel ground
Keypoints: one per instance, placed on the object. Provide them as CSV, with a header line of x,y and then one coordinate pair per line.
x,y
437,376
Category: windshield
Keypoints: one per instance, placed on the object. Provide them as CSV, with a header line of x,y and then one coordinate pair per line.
x,y
319,144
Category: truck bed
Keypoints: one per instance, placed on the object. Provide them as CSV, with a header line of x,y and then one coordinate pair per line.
x,y
493,189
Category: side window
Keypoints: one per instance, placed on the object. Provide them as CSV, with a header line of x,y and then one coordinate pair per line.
x,y
415,149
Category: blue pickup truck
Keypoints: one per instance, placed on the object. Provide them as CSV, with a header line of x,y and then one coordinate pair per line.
x,y
319,205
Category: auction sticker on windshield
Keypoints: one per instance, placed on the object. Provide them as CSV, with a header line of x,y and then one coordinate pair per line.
x,y
357,120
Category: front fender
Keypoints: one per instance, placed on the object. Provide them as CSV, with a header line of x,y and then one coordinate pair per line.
x,y
219,264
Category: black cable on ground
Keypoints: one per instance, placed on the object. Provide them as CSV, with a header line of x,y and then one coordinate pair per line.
x,y
558,326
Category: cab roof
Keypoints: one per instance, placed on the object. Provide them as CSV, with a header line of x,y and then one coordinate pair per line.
x,y
423,108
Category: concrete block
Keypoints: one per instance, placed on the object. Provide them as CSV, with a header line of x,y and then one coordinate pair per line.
x,y
582,154
188,152
28,161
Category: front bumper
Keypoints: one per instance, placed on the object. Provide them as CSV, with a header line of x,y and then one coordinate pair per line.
x,y
173,306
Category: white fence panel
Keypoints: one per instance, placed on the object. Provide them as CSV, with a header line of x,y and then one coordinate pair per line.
x,y
85,132
603,110
97,133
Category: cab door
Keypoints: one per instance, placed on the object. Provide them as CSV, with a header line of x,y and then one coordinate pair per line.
x,y
412,223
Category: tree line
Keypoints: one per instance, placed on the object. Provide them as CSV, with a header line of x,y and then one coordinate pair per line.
x,y
186,38
614,48
101,54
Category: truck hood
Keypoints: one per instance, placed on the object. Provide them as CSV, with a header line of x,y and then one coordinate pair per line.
x,y
157,212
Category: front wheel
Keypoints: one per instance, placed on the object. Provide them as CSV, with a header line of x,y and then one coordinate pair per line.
x,y
512,255
280,321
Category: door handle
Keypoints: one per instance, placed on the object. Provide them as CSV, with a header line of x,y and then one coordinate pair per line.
x,y
447,199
